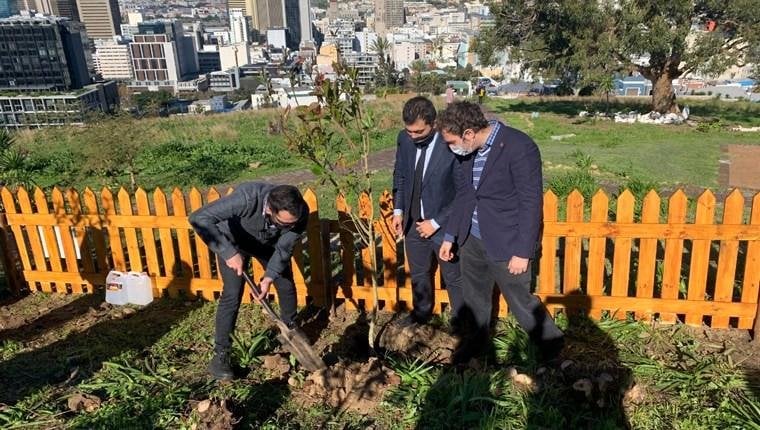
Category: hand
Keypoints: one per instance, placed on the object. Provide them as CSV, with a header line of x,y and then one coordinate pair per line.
x,y
518,265
426,229
445,251
264,285
397,223
235,263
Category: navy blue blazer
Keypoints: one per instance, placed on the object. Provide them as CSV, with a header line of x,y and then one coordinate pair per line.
x,y
509,197
437,184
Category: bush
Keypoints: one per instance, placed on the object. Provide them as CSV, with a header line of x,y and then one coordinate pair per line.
x,y
187,163
582,180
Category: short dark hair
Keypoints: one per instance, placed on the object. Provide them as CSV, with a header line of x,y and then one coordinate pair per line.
x,y
287,198
418,108
460,116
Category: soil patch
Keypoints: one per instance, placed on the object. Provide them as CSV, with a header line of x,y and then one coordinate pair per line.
x,y
422,341
211,415
351,386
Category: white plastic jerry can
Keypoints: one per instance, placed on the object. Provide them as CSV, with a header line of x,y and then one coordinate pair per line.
x,y
116,289
139,288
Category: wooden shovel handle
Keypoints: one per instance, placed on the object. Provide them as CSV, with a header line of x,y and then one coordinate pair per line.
x,y
254,289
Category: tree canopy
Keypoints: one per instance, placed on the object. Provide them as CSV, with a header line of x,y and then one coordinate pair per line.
x,y
582,41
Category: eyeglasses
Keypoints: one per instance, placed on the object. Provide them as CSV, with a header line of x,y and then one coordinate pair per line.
x,y
272,221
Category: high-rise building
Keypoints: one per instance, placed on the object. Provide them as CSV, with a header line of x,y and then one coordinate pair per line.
x,y
238,26
101,18
293,23
161,53
305,20
388,14
271,14
8,8
43,53
298,22
250,10
112,59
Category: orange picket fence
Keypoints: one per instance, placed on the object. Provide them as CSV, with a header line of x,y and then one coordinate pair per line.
x,y
630,259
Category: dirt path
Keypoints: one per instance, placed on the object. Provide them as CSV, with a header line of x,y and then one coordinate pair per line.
x,y
382,159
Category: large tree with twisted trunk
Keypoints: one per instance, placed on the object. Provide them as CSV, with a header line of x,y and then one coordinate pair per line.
x,y
581,41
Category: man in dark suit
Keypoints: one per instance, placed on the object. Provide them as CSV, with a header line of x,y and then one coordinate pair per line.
x,y
258,220
422,183
496,221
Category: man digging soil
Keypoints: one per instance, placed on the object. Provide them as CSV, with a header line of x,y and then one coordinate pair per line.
x,y
257,220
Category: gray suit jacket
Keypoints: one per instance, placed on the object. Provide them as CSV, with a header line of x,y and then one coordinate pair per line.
x,y
236,223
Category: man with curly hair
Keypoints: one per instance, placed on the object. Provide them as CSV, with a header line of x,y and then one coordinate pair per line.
x,y
495,223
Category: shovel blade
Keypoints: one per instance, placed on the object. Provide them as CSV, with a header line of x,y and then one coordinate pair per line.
x,y
295,342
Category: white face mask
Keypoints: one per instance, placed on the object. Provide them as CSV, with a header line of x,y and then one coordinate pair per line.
x,y
462,152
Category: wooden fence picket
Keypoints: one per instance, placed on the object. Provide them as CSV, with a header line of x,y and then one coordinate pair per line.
x,y
572,260
645,276
597,248
40,263
671,272
547,266
733,210
621,260
700,256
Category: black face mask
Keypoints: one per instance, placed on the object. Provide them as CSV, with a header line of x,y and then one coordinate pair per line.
x,y
424,141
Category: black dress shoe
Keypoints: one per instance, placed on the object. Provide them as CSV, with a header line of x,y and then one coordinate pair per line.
x,y
220,367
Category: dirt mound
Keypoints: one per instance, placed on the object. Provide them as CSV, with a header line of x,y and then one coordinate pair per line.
x,y
211,415
83,402
425,341
351,386
276,364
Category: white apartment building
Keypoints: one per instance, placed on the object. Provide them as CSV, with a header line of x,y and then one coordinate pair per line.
x,y
239,30
113,60
366,40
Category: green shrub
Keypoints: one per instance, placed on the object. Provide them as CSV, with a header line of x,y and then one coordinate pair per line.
x,y
582,180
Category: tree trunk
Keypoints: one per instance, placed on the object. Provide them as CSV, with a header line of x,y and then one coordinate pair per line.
x,y
663,97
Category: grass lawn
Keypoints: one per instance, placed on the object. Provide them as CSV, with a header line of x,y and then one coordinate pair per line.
x,y
668,155
225,149
146,369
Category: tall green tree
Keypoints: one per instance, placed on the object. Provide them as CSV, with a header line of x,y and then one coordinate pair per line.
x,y
386,71
581,41
419,77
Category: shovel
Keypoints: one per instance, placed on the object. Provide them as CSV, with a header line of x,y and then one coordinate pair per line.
x,y
293,340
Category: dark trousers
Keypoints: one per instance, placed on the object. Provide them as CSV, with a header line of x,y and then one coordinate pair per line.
x,y
422,255
232,295
479,273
